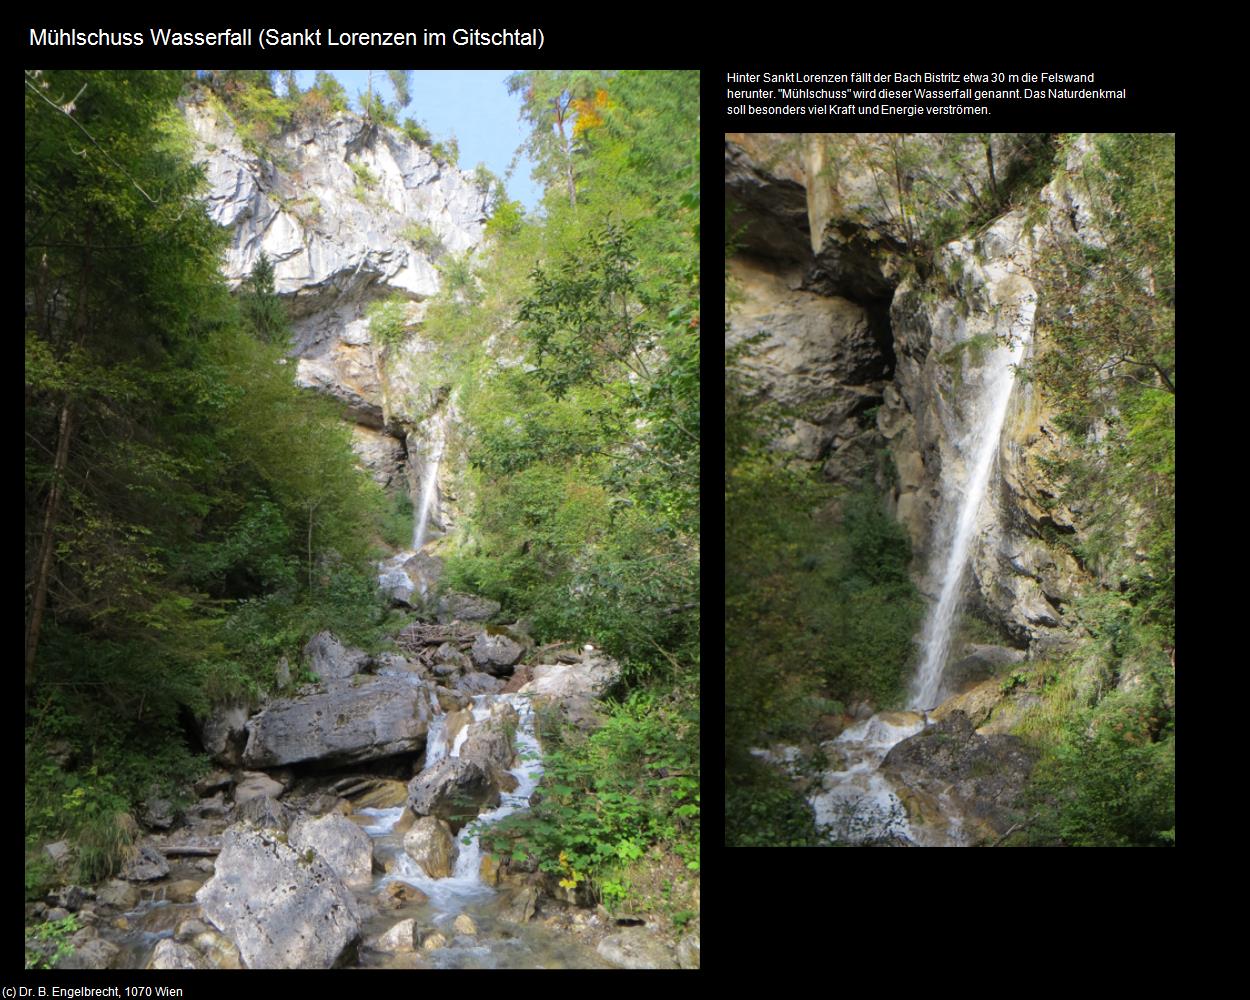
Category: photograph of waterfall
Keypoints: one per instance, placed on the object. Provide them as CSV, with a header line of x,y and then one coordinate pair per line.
x,y
949,491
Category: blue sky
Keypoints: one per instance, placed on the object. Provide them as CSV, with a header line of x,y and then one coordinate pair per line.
x,y
473,104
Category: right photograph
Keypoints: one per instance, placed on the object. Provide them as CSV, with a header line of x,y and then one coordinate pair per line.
x,y
950,489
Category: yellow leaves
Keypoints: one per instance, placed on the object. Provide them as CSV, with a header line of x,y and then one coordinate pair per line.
x,y
588,112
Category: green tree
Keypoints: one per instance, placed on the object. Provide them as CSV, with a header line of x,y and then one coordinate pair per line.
x,y
548,104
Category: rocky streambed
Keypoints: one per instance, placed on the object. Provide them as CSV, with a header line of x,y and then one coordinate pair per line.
x,y
951,777
341,828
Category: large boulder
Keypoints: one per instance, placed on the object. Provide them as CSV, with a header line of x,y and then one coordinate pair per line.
x,y
455,789
592,678
957,786
330,660
348,722
338,841
429,842
283,909
495,653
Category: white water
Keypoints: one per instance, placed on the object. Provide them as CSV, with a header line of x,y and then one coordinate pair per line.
x,y
986,411
449,896
429,489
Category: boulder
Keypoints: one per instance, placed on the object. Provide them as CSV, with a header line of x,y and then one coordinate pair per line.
x,y
522,905
592,678
119,894
433,941
224,733
158,812
636,948
147,864
429,842
59,853
255,785
378,717
478,683
281,908
169,954
94,954
967,783
496,654
402,937
455,789
71,897
463,924
265,813
339,842
397,894
329,660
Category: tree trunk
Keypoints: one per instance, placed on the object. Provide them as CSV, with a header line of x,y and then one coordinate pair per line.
x,y
43,565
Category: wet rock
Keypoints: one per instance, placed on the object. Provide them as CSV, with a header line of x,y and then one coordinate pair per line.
x,y
431,845
522,905
636,948
433,941
402,937
455,789
328,659
980,777
183,890
170,954
189,928
119,894
283,909
379,717
337,841
382,794
463,924
146,865
218,951
397,894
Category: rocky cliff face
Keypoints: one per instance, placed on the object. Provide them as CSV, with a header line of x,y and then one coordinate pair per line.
x,y
872,355
349,213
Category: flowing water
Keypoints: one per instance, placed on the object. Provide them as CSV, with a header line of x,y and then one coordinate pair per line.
x,y
429,490
985,413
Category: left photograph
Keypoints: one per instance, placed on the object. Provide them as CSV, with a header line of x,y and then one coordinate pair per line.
x,y
361,519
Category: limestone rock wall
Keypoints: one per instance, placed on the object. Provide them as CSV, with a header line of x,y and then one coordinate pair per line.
x,y
872,356
339,243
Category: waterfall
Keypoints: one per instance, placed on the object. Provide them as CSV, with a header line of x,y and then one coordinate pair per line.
x,y
962,500
429,488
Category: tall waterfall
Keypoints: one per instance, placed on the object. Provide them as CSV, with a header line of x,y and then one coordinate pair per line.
x,y
985,413
429,489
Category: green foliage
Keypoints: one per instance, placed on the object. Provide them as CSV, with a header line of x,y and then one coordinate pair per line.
x,y
1107,323
763,810
366,180
388,320
191,514
53,937
262,307
628,789
417,132
447,151
422,236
